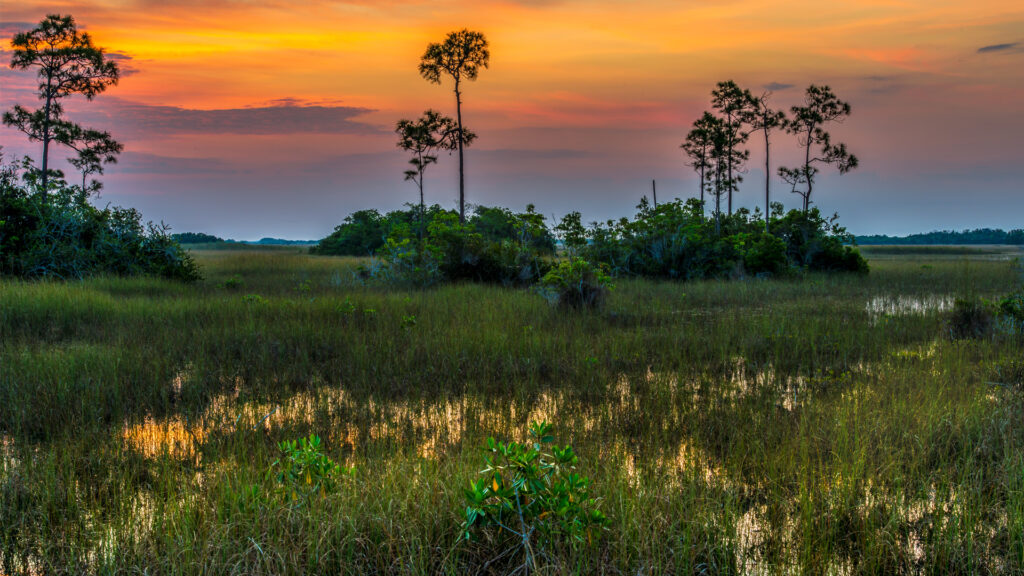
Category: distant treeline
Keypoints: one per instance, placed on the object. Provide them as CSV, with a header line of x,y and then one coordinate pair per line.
x,y
201,238
196,238
977,236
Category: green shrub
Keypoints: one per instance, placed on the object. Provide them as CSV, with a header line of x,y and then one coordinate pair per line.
x,y
57,233
452,251
531,494
765,254
576,283
303,470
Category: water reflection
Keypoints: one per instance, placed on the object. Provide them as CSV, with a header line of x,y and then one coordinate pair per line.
x,y
901,305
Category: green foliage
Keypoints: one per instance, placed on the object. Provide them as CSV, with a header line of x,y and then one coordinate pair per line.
x,y
677,240
303,470
254,299
765,254
576,283
496,225
61,235
361,234
452,251
1011,312
233,283
531,492
572,233
817,243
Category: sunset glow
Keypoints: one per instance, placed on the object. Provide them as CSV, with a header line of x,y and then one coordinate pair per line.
x,y
583,105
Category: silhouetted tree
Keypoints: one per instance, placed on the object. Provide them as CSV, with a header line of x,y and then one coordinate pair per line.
x,y
572,232
721,158
737,108
460,56
820,107
766,119
68,63
423,137
94,148
698,147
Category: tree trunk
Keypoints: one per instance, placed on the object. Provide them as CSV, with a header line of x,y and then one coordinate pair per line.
x,y
729,159
807,168
702,160
462,172
718,201
46,131
767,180
423,209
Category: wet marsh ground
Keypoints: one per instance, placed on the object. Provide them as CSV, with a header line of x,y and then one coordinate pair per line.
x,y
814,425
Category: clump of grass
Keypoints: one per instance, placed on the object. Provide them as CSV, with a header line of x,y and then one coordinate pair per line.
x,y
970,318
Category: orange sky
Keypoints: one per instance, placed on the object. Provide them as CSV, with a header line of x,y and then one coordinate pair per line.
x,y
585,102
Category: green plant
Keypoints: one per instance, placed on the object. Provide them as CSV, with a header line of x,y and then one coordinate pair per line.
x,y
1012,306
304,470
234,282
347,307
254,299
532,494
576,283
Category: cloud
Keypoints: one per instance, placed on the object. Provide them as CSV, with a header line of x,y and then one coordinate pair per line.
x,y
1009,47
9,29
777,86
142,163
286,116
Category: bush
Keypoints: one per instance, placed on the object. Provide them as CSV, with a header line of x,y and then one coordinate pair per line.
x,y
452,251
969,319
365,232
532,493
59,234
765,254
575,283
303,470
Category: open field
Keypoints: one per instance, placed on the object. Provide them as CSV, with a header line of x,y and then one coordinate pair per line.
x,y
815,425
994,251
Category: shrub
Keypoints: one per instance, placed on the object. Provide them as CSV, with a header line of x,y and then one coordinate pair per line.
x,y
765,254
59,234
303,470
969,319
576,283
531,493
1013,306
452,251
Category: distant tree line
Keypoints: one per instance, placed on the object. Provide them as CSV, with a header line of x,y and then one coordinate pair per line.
x,y
976,236
202,238
196,238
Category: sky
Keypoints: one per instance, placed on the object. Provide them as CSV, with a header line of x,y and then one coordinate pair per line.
x,y
254,118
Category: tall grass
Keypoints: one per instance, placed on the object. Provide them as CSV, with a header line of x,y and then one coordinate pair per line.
x,y
730,427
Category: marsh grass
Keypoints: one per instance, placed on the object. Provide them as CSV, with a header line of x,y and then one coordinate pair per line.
x,y
759,427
